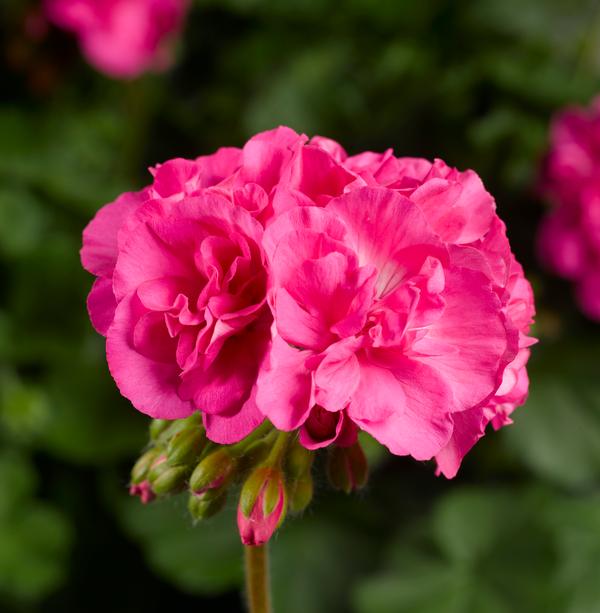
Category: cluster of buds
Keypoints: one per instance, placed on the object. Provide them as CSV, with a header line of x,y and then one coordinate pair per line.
x,y
271,469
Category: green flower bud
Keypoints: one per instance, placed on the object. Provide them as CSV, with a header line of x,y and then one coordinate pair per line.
x,y
174,426
157,467
299,460
214,471
158,426
206,505
263,505
300,493
170,480
185,447
142,466
347,468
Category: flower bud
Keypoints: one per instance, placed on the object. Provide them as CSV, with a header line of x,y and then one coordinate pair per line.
x,y
263,505
203,506
157,427
185,447
157,467
300,493
299,461
215,470
170,480
167,429
347,468
143,490
142,466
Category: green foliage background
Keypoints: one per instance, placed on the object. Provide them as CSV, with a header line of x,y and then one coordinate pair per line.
x,y
474,82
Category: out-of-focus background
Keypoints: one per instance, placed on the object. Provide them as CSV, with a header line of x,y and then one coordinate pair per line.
x,y
472,82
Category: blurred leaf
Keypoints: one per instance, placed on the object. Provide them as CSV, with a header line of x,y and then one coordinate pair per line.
x,y
34,537
40,329
300,94
492,555
18,481
316,557
520,135
24,409
557,433
22,221
577,526
205,559
70,154
427,586
559,24
91,423
466,525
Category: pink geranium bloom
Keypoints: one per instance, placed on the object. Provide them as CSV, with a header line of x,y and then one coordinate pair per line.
x,y
327,293
181,284
180,296
569,238
122,38
399,310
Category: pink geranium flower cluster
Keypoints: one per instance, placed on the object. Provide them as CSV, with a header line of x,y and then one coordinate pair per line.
x,y
328,293
122,38
569,241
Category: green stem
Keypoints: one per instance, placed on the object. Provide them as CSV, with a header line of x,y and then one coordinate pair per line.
x,y
260,432
276,454
257,579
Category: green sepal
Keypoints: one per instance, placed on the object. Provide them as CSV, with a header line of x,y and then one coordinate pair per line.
x,y
186,446
300,493
206,505
141,468
171,480
217,467
299,460
252,488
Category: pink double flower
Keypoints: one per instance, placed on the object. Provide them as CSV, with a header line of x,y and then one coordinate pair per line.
x,y
328,293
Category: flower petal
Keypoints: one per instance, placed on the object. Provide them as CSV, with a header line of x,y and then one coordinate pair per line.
x,y
101,304
405,409
151,386
99,251
284,386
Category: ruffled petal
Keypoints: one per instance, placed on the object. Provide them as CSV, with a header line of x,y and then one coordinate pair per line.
x,y
151,386
284,386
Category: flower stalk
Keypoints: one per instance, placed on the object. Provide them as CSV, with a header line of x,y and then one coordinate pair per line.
x,y
257,579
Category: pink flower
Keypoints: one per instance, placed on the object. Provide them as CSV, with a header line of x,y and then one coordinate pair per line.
x,y
387,299
122,38
398,309
180,288
180,296
569,237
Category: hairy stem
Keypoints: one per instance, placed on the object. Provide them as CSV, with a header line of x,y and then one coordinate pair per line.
x,y
257,579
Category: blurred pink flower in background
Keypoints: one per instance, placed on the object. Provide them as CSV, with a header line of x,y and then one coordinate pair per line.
x,y
327,293
569,238
122,38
